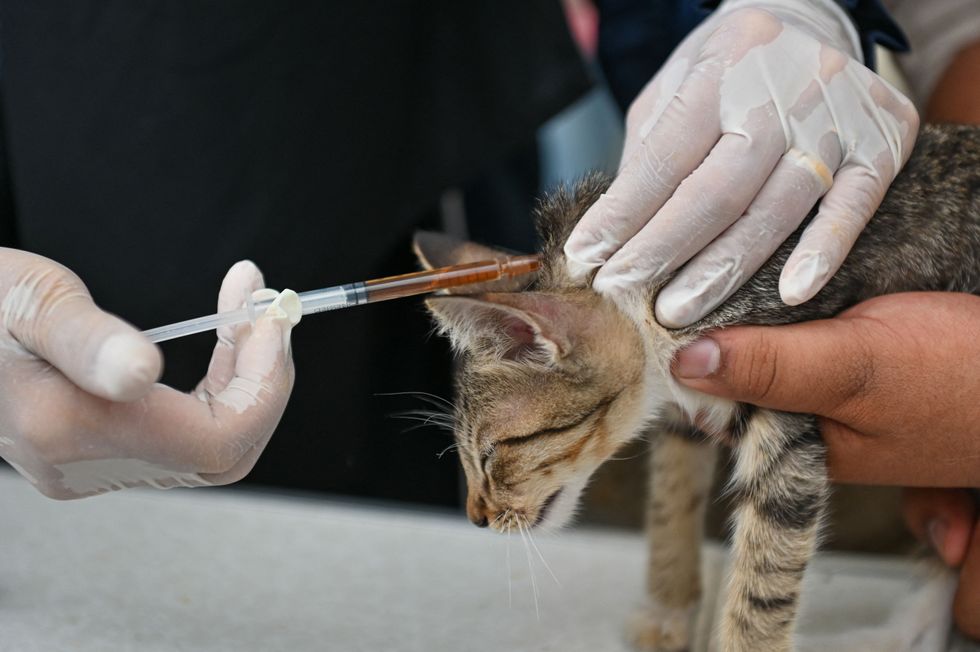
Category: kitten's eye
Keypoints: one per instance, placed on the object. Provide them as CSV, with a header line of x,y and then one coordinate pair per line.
x,y
485,457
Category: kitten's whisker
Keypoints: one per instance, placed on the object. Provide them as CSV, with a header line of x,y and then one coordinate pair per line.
x,y
420,426
624,459
500,515
429,420
435,419
510,572
435,415
445,450
431,399
424,423
530,569
441,404
540,556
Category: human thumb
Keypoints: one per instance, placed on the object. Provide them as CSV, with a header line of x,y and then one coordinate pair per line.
x,y
48,311
812,367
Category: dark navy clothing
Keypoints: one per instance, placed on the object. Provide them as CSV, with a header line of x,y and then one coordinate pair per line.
x,y
875,25
637,36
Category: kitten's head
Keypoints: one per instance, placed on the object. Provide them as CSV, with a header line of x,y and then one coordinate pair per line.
x,y
549,379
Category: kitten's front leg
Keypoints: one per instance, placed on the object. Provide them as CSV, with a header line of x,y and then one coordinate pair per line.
x,y
780,486
681,470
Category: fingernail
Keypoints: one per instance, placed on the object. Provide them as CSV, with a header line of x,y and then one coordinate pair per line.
x,y
698,360
936,530
804,280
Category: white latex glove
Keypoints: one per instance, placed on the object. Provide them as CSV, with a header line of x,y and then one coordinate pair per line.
x,y
81,413
758,113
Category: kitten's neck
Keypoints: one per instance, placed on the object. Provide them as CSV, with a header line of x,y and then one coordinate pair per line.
x,y
662,394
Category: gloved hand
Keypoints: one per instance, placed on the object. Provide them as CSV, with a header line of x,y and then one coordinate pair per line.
x,y
80,410
759,112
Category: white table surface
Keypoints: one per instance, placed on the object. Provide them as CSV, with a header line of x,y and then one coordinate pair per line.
x,y
208,569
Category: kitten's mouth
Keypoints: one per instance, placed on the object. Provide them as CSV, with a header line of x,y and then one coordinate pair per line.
x,y
545,507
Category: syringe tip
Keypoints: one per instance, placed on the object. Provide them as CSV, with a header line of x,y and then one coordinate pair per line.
x,y
518,265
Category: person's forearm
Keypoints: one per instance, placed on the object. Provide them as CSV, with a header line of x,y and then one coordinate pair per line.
x,y
956,97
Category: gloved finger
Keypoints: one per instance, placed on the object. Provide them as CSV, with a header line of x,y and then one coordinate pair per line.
x,y
243,279
648,107
723,266
901,113
212,437
674,147
239,390
49,311
705,204
943,518
844,211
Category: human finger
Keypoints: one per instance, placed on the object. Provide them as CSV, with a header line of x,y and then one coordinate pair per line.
x,y
648,107
242,280
49,311
844,211
675,145
723,266
943,518
211,436
705,204
966,602
784,368
864,371
250,455
947,520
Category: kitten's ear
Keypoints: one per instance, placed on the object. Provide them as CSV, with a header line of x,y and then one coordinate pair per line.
x,y
441,250
527,326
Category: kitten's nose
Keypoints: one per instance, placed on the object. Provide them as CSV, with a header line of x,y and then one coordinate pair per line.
x,y
476,510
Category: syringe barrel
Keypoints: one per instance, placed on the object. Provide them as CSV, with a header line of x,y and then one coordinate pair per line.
x,y
355,294
443,278
333,298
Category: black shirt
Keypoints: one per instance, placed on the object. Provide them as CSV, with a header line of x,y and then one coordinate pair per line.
x,y
148,145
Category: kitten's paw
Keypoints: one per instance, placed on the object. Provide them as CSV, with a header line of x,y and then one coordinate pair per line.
x,y
661,629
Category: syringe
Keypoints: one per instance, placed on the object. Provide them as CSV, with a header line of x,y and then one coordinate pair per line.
x,y
355,294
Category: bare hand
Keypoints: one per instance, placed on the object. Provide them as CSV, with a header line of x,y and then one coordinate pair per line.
x,y
896,384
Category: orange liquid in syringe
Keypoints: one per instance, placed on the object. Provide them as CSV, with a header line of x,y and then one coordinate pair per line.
x,y
393,287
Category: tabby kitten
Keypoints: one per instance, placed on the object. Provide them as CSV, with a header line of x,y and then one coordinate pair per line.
x,y
554,379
